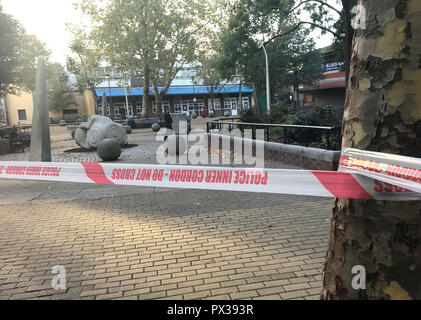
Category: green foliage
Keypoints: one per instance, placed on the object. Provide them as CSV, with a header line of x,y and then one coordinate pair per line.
x,y
59,90
321,116
83,118
207,74
317,116
293,58
249,115
84,61
279,112
18,56
153,40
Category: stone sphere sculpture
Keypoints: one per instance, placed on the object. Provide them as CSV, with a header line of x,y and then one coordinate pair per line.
x,y
156,127
109,149
177,145
99,128
128,129
194,115
227,114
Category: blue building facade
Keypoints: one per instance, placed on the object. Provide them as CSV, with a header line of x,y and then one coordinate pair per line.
x,y
179,99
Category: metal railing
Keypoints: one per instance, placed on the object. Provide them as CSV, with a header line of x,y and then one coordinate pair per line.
x,y
320,137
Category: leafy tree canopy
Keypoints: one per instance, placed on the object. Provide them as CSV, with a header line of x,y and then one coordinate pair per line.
x,y
293,57
18,56
60,93
152,39
84,62
280,26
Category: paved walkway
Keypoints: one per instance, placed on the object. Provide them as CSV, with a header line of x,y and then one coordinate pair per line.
x,y
147,243
163,245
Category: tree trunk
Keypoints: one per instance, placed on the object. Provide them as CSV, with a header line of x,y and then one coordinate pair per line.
x,y
95,96
349,35
383,113
256,100
146,108
158,99
296,98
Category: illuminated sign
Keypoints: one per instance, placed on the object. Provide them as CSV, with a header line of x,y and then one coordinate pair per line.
x,y
333,66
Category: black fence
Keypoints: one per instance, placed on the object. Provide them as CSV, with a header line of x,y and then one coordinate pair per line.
x,y
328,138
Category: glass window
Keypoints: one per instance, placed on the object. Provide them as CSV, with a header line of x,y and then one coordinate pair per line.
x,y
139,108
217,104
70,111
246,102
22,114
178,106
230,103
164,104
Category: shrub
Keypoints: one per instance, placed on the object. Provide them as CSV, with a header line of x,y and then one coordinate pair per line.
x,y
318,116
83,118
279,112
323,116
249,115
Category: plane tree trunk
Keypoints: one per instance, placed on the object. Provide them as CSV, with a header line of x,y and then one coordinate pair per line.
x,y
146,101
383,113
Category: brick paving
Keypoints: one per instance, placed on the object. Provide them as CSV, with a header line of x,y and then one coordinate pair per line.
x,y
180,244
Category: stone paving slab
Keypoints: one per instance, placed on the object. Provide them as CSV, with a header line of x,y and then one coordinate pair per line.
x,y
168,245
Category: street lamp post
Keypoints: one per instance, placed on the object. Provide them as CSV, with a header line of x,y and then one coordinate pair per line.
x,y
107,76
267,80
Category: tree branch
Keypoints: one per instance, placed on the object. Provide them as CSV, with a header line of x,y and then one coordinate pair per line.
x,y
307,1
297,27
287,12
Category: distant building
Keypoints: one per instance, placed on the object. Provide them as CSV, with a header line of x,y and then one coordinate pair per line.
x,y
19,109
329,91
182,97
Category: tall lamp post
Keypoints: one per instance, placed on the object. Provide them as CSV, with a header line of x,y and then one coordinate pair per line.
x,y
267,81
107,76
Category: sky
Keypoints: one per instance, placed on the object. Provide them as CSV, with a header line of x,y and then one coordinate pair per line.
x,y
47,20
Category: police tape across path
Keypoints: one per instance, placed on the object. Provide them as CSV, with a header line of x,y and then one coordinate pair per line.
x,y
364,176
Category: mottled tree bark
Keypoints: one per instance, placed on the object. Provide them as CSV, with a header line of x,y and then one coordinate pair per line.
x,y
383,113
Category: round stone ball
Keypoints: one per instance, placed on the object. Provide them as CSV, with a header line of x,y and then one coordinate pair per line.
x,y
128,129
227,113
156,127
109,150
176,145
194,116
211,114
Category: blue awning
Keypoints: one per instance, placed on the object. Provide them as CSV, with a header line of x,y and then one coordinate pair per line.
x,y
200,90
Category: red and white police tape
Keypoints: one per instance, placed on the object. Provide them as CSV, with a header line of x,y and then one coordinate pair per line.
x,y
363,175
